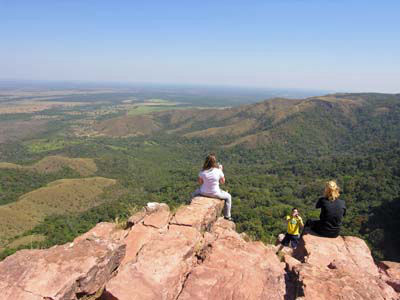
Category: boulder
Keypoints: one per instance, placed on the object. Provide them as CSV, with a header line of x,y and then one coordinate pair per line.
x,y
337,268
351,254
321,283
60,273
200,214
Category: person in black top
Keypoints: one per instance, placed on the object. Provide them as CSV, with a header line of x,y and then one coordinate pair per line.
x,y
332,212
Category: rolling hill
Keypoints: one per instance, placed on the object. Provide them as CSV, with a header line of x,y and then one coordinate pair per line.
x,y
59,197
322,120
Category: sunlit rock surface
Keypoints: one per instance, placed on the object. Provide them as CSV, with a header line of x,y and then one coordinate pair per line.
x,y
193,253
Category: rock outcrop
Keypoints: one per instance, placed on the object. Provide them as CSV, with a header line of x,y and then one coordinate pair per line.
x,y
391,273
231,268
339,268
60,273
194,254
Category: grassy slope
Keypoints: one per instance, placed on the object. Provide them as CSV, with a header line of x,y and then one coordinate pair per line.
x,y
26,240
61,196
51,164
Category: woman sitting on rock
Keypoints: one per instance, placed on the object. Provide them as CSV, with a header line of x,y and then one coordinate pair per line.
x,y
210,177
332,212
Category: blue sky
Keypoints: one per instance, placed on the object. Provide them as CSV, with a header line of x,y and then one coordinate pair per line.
x,y
343,45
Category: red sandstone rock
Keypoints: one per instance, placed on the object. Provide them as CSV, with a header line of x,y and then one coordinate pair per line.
x,y
320,283
137,217
136,238
291,262
391,268
160,267
159,263
234,269
360,254
391,274
152,224
103,231
192,255
145,211
158,217
200,214
61,272
339,268
350,253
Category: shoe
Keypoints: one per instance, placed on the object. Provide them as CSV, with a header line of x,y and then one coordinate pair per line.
x,y
228,218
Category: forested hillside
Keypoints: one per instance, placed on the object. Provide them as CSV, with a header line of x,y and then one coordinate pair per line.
x,y
276,154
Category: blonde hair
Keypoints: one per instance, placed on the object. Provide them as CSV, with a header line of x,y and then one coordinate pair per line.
x,y
332,191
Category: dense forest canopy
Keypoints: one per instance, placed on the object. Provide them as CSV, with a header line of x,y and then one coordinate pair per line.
x,y
276,154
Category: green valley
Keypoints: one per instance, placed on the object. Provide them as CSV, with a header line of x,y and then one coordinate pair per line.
x,y
276,154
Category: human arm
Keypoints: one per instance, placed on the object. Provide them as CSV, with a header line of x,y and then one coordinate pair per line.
x,y
319,203
200,179
221,176
300,220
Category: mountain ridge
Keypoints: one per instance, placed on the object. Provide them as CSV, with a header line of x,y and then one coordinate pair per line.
x,y
255,124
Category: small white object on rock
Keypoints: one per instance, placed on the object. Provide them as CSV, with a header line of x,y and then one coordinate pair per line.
x,y
281,237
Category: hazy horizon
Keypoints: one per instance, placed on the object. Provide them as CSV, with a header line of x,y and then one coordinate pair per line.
x,y
343,46
8,82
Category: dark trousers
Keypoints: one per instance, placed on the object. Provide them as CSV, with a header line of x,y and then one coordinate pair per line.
x,y
292,239
320,228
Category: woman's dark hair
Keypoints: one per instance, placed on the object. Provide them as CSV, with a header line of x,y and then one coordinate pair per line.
x,y
210,162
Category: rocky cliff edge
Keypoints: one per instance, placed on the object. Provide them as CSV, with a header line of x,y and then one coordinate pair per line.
x,y
194,254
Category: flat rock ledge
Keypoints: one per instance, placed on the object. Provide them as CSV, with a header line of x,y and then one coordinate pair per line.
x,y
193,254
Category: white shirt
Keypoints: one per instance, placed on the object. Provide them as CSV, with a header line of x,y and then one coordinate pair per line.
x,y
211,179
